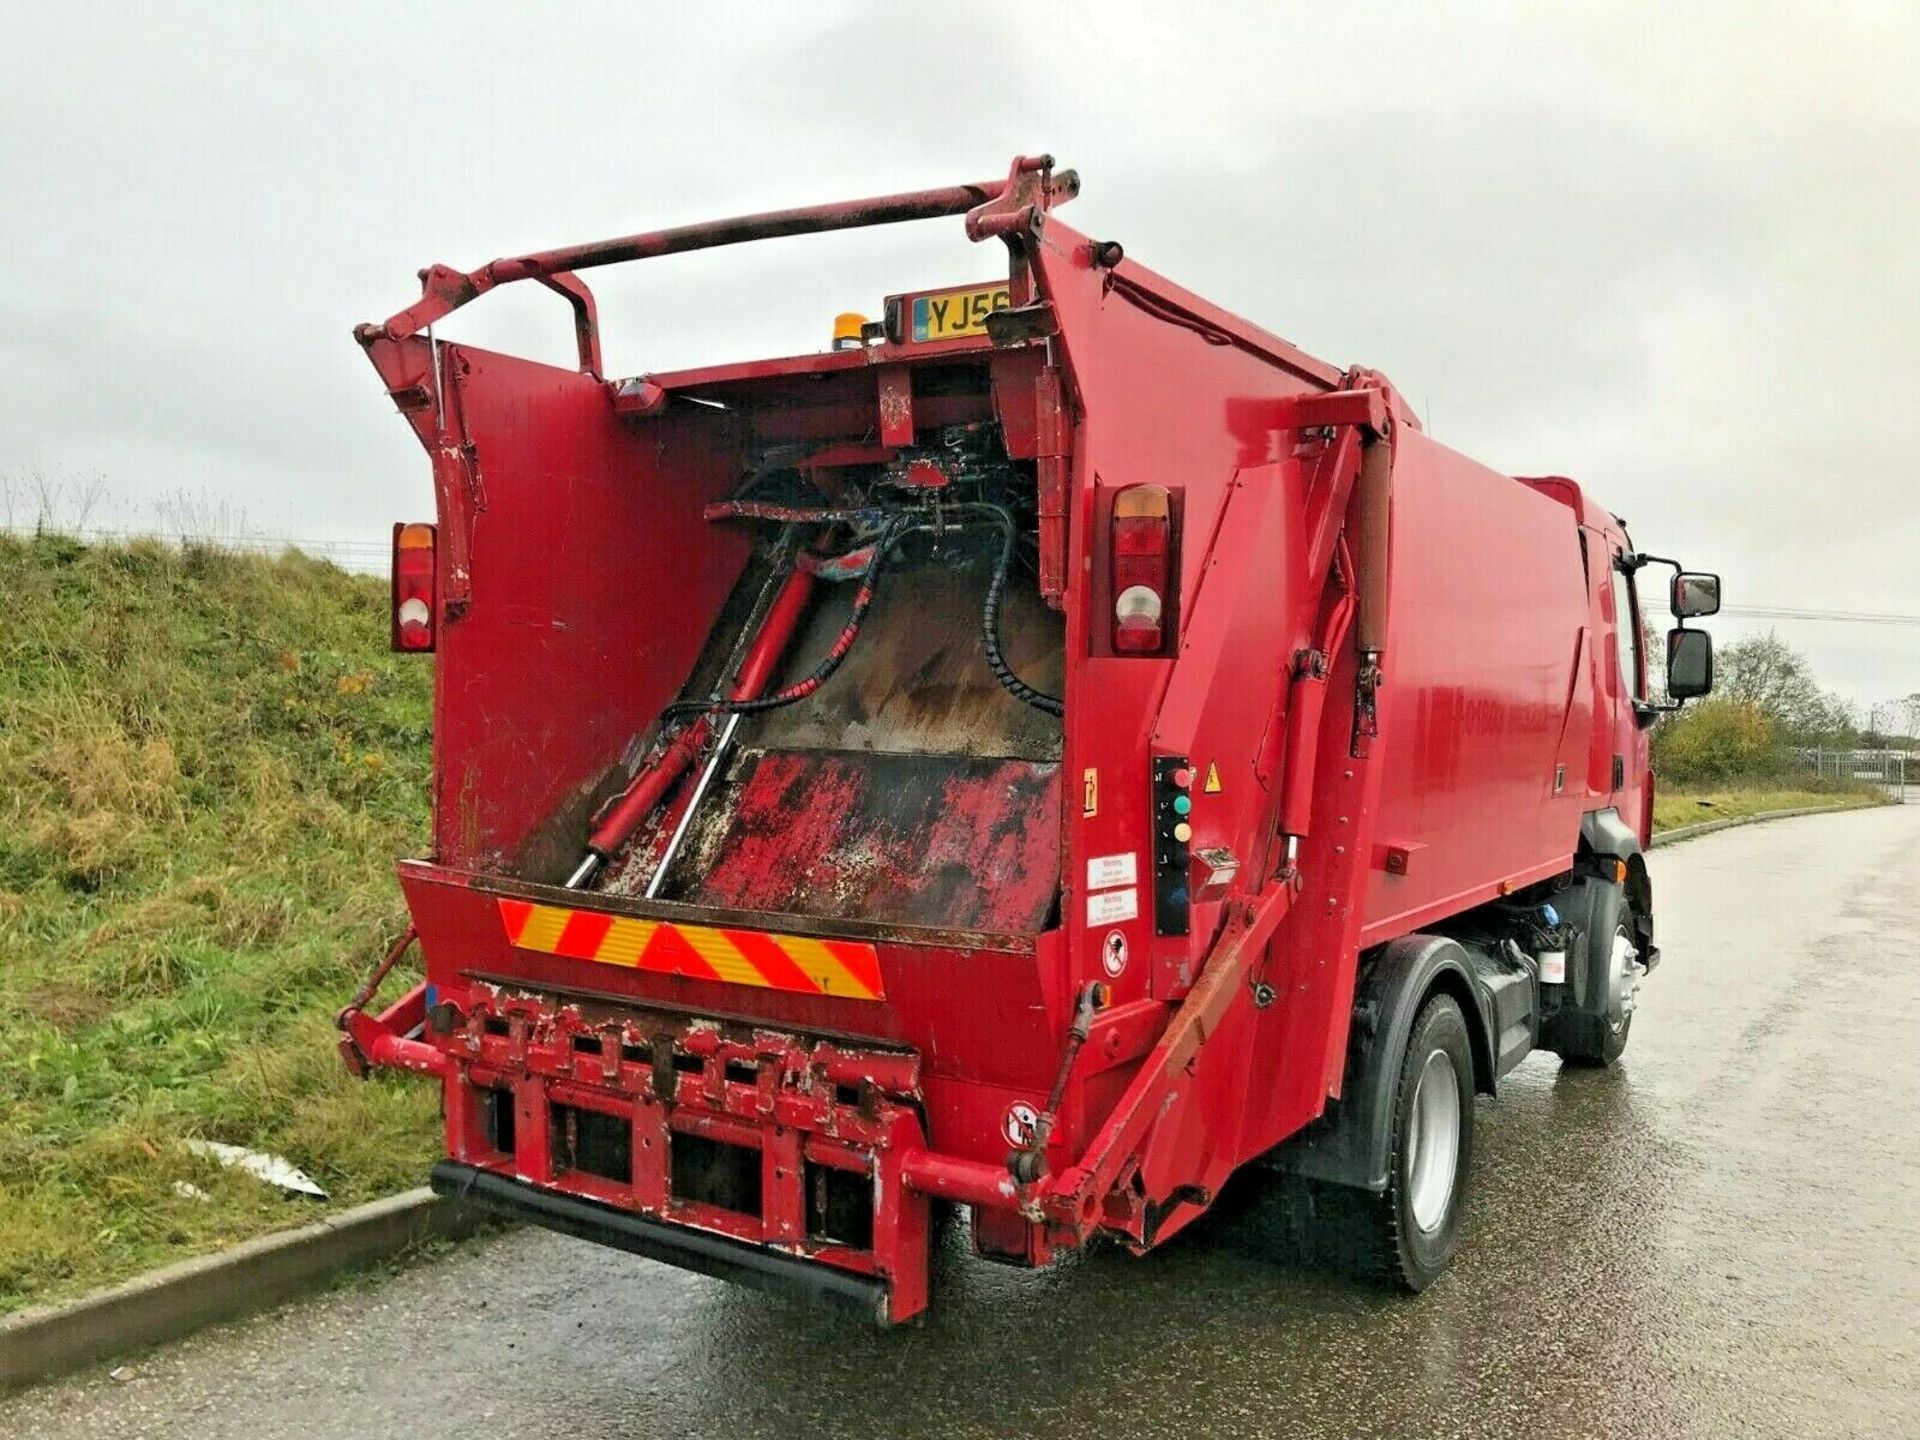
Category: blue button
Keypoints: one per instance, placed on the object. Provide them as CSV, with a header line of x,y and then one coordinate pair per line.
x,y
1182,804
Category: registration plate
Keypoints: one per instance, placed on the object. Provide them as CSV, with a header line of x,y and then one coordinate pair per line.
x,y
950,314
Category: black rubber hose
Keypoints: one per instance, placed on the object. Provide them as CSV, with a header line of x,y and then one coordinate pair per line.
x,y
990,621
821,673
895,532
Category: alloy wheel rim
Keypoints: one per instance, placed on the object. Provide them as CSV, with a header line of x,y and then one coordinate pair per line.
x,y
1623,979
1433,1142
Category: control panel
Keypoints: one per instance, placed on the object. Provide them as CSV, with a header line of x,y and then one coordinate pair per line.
x,y
1172,835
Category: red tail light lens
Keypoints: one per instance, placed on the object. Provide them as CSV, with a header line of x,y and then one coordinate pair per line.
x,y
1141,564
414,613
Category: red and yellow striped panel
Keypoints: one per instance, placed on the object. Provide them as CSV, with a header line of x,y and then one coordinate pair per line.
x,y
845,968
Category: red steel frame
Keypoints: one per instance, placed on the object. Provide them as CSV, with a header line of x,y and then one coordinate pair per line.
x,y
1170,1076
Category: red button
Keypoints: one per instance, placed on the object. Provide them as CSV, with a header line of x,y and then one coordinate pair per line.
x,y
1183,778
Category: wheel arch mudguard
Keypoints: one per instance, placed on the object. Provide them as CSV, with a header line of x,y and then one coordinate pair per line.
x,y
1350,1144
1603,834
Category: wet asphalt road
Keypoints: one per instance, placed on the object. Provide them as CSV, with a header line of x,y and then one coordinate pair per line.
x,y
1719,1238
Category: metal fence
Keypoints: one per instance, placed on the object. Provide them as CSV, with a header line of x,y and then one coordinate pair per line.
x,y
1885,770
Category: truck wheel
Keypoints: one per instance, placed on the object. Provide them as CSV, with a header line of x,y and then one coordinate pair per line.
x,y
1408,1234
1432,1144
1596,1036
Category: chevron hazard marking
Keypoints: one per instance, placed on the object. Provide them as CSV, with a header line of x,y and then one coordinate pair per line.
x,y
849,969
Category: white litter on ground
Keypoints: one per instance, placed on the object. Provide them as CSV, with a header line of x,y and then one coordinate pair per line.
x,y
270,1168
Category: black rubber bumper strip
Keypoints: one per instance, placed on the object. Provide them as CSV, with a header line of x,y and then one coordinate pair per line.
x,y
715,1255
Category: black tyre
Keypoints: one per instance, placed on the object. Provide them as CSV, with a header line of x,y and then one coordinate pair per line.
x,y
1407,1235
1592,1042
1592,1029
1432,1147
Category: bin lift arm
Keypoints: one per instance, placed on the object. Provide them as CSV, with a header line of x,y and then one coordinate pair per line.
x,y
1073,1199
1351,501
387,1040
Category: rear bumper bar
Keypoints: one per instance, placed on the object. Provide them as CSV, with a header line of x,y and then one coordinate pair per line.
x,y
697,1250
779,1160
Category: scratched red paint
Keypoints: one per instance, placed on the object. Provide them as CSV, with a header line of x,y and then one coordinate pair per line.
x,y
946,843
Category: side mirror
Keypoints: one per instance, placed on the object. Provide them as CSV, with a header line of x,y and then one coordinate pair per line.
x,y
1689,663
1694,594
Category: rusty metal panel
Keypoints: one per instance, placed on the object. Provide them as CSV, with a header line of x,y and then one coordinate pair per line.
x,y
896,405
918,681
948,842
1050,442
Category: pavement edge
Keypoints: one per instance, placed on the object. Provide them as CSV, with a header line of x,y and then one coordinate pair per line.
x,y
1707,827
169,1303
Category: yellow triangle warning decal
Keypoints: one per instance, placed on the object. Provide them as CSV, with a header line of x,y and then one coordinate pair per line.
x,y
1212,787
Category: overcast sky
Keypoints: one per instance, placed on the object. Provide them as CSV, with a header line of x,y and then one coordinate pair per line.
x,y
1673,251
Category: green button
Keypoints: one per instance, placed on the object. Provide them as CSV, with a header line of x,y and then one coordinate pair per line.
x,y
1182,804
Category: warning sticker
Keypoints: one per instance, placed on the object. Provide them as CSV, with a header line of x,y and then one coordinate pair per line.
x,y
1106,871
1020,1122
1212,787
1112,906
1089,793
1113,954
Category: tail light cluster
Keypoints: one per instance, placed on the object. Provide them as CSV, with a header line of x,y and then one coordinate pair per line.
x,y
1141,558
414,612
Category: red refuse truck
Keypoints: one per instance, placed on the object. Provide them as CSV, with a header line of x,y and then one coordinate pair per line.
x,y
1052,748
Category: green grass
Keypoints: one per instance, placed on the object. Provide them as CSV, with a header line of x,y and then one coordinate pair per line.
x,y
1672,809
207,763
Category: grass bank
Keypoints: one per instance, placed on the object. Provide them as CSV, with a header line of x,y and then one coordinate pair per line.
x,y
1673,809
207,761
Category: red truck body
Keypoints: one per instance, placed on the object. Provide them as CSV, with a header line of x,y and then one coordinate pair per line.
x,y
922,939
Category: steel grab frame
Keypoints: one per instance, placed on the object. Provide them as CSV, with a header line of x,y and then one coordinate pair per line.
x,y
992,207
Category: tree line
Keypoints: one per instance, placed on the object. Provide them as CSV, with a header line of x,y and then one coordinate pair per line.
x,y
1767,705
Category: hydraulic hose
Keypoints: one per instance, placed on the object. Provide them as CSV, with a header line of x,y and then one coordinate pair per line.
x,y
897,530
821,673
652,783
990,621
648,789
